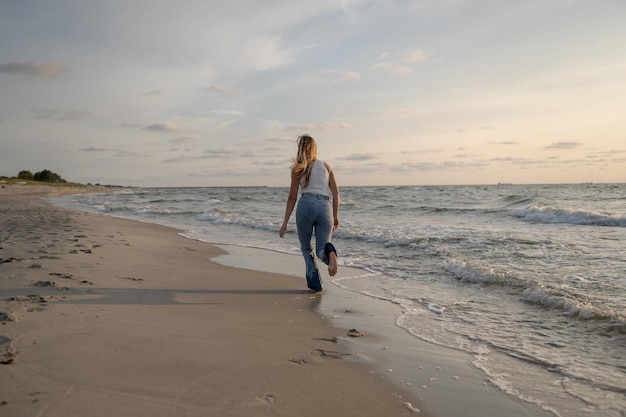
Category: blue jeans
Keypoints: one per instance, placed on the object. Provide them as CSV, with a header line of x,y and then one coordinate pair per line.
x,y
314,213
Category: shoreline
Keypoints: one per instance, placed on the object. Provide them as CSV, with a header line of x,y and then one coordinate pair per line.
x,y
432,375
102,315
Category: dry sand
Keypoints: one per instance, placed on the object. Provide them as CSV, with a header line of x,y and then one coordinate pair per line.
x,y
110,317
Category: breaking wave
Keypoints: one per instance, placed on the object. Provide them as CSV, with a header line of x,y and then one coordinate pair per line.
x,y
547,214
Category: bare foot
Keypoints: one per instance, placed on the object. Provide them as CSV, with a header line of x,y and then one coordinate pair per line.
x,y
332,264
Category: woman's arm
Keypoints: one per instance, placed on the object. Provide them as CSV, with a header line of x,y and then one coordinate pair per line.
x,y
334,189
291,202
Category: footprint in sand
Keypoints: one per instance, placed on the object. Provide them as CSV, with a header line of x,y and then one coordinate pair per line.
x,y
61,275
9,260
330,353
7,354
354,333
132,279
8,317
48,283
33,298
267,399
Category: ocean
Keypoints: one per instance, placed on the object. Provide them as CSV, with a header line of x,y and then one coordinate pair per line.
x,y
530,280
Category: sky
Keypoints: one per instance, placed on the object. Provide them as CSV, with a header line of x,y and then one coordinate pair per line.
x,y
395,92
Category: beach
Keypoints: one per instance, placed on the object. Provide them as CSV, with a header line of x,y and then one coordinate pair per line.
x,y
179,302
103,316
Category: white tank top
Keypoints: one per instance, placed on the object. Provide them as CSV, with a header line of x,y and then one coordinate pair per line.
x,y
318,182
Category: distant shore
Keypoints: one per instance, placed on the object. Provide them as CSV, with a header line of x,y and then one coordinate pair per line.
x,y
20,187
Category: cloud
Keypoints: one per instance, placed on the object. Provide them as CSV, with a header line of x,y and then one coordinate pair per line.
x,y
218,153
95,149
508,159
162,127
324,127
393,69
183,140
564,145
504,142
464,155
32,69
603,154
414,56
359,157
339,75
227,112
184,158
187,143
133,125
58,115
219,88
422,151
266,52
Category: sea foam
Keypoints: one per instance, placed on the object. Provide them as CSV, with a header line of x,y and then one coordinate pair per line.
x,y
547,214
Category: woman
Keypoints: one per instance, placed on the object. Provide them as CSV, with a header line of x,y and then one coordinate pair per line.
x,y
317,184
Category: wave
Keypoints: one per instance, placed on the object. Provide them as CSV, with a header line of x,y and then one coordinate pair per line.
x,y
480,274
219,217
552,215
134,210
174,200
578,309
516,200
573,308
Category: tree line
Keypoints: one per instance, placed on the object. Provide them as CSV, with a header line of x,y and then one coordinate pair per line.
x,y
46,176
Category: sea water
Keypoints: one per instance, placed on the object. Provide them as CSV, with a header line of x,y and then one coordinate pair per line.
x,y
530,280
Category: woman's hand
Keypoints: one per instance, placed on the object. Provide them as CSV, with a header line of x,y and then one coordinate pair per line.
x,y
291,203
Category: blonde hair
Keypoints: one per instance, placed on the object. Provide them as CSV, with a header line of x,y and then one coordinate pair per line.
x,y
305,158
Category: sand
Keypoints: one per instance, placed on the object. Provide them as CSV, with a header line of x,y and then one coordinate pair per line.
x,y
102,316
